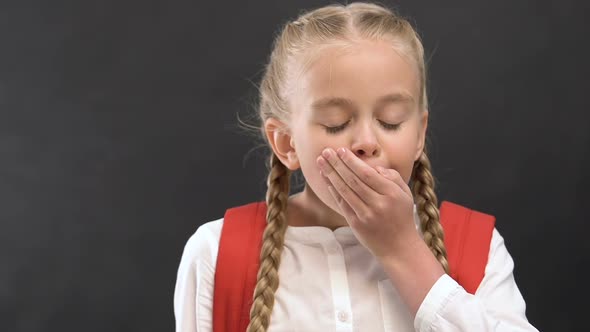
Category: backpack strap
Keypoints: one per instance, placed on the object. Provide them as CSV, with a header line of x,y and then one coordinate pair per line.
x,y
468,234
237,266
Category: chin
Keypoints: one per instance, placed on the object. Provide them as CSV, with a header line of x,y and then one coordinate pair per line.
x,y
334,205
325,198
330,202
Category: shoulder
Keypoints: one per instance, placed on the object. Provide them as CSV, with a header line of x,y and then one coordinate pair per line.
x,y
462,224
499,255
195,278
466,226
451,212
203,244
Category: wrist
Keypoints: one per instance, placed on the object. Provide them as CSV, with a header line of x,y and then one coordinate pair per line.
x,y
403,247
413,269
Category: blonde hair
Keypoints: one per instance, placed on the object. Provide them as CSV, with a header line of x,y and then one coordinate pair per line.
x,y
313,30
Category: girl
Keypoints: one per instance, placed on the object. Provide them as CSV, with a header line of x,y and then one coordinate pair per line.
x,y
360,248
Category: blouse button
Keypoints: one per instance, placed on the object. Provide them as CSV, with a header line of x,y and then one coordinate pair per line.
x,y
332,250
342,316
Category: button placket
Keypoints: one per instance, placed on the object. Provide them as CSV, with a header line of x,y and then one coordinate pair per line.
x,y
342,316
339,283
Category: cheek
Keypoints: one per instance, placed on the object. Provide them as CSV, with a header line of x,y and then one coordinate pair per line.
x,y
401,154
315,181
308,150
313,141
311,147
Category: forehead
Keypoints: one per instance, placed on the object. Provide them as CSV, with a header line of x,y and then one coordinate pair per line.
x,y
362,72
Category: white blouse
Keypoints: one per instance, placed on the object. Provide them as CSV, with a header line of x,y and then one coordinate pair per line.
x,y
330,282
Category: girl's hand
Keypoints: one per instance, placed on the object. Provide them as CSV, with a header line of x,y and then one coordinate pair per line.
x,y
377,203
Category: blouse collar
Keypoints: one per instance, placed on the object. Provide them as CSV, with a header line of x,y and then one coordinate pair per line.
x,y
319,234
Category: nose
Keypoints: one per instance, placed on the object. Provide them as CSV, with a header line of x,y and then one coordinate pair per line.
x,y
365,143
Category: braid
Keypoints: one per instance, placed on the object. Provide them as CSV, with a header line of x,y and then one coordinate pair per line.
x,y
272,246
427,206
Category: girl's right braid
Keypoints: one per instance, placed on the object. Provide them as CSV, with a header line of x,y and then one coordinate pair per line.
x,y
273,238
427,206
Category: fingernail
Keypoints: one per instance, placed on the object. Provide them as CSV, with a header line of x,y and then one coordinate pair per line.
x,y
326,153
341,152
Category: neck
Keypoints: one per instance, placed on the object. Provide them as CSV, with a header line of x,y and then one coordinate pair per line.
x,y
306,209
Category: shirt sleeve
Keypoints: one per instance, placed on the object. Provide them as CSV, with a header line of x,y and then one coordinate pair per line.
x,y
497,305
193,293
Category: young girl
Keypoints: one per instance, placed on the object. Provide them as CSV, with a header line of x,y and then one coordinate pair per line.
x,y
360,248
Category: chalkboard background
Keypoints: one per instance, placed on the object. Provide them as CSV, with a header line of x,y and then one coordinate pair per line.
x,y
119,137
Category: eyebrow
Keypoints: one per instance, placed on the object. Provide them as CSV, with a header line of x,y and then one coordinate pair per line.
x,y
397,97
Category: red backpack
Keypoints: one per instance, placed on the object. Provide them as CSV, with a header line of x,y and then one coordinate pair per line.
x,y
467,240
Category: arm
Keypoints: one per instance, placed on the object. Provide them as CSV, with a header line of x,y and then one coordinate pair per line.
x,y
496,306
193,293
378,205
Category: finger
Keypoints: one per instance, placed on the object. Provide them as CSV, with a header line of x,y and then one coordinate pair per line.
x,y
395,177
349,177
367,174
347,212
351,197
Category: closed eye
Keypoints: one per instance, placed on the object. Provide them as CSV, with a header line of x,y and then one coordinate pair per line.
x,y
336,129
390,126
385,125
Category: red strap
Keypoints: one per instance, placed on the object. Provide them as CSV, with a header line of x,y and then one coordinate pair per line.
x,y
468,234
237,266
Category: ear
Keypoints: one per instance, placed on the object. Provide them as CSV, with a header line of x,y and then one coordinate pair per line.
x,y
281,143
423,124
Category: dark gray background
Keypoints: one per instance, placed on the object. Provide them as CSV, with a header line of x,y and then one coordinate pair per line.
x,y
118,138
